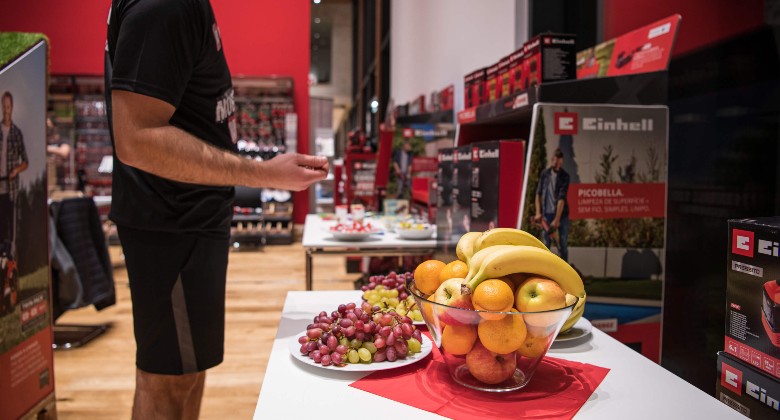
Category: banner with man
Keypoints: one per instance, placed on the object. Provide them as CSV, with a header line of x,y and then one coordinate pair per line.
x,y
595,193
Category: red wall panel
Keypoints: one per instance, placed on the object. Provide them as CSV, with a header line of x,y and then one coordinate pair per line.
x,y
260,37
703,21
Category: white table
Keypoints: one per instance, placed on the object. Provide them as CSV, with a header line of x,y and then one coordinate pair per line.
x,y
635,387
317,240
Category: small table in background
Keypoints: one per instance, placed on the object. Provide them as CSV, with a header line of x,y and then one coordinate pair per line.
x,y
317,240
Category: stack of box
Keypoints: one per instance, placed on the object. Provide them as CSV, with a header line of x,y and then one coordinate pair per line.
x,y
491,82
750,365
474,88
461,191
444,237
544,58
496,184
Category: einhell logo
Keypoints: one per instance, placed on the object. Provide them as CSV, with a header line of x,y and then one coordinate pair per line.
x,y
619,124
474,154
742,242
731,378
565,123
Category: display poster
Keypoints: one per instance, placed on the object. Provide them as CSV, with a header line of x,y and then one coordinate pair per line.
x,y
595,193
643,50
412,141
26,373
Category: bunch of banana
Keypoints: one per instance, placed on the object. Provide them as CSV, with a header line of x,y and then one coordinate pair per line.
x,y
504,251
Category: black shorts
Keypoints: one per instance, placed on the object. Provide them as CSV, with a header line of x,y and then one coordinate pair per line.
x,y
177,285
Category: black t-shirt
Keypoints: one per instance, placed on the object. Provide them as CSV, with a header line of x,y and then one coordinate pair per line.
x,y
171,50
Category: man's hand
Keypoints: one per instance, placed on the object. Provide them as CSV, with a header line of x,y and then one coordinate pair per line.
x,y
538,217
556,223
295,172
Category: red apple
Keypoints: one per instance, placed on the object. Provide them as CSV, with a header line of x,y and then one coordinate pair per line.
x,y
489,367
537,294
460,311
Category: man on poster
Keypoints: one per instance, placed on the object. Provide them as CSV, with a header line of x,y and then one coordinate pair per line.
x,y
552,209
13,161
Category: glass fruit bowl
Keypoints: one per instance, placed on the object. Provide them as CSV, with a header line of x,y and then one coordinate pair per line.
x,y
488,350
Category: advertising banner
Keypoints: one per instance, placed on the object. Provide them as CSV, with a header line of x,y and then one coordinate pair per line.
x,y
595,193
26,373
643,50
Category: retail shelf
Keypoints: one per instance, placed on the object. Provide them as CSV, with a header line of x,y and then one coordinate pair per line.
x,y
436,117
263,99
277,218
92,118
61,97
510,117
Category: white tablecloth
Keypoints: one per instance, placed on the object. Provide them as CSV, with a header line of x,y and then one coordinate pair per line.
x,y
635,388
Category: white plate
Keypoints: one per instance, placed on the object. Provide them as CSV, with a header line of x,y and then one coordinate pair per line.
x,y
353,236
414,233
427,346
580,329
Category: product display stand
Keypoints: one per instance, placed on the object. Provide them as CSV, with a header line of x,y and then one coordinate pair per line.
x,y
630,316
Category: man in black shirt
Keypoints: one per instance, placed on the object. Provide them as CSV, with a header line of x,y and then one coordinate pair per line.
x,y
171,102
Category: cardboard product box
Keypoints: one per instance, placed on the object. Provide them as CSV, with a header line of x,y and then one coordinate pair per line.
x,y
491,83
496,183
550,57
516,71
461,191
445,159
747,390
503,87
479,87
753,293
448,98
468,98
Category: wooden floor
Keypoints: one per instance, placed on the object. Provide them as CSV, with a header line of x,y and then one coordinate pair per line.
x,y
96,381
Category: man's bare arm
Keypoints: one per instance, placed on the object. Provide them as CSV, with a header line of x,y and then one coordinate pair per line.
x,y
144,139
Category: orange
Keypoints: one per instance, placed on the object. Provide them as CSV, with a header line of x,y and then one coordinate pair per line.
x,y
458,339
454,270
503,336
426,276
533,346
427,311
493,295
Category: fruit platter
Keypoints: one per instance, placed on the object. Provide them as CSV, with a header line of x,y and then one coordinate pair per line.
x,y
495,311
353,231
414,231
360,338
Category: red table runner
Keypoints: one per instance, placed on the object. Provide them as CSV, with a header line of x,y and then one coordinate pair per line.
x,y
558,389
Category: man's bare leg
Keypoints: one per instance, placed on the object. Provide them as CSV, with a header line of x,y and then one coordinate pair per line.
x,y
168,396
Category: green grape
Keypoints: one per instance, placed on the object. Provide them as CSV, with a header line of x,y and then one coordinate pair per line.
x,y
370,347
413,345
355,343
343,341
353,356
400,311
364,355
416,315
392,293
392,302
